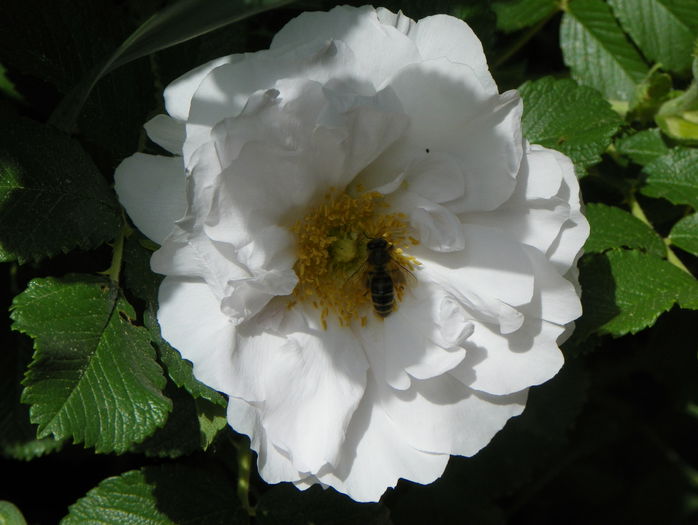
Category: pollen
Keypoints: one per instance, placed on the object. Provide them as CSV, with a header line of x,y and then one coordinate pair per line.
x,y
332,256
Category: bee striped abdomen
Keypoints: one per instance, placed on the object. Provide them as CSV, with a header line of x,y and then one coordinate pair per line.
x,y
382,292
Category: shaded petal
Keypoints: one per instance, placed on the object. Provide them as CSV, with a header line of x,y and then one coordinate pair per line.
x,y
539,208
567,248
152,189
178,93
380,49
307,384
449,37
272,464
307,143
484,134
376,455
502,364
556,298
167,132
442,415
191,321
490,266
422,339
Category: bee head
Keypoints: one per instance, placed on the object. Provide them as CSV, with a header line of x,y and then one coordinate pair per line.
x,y
377,244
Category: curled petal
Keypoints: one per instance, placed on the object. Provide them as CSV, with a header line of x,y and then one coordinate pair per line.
x,y
151,188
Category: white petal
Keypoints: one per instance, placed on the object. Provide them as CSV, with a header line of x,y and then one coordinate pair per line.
x,y
399,21
166,132
490,266
437,177
568,246
275,177
449,37
191,321
503,364
484,133
542,174
224,93
556,299
437,228
536,227
179,93
362,31
441,415
376,455
307,384
152,189
272,464
421,339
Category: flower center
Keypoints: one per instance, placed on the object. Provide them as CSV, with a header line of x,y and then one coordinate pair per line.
x,y
338,261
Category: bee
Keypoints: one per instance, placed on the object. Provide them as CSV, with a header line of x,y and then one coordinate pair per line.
x,y
383,275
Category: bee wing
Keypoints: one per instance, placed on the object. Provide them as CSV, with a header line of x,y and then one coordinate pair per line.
x,y
400,274
359,277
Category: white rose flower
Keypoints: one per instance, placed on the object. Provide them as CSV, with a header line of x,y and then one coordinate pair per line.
x,y
357,126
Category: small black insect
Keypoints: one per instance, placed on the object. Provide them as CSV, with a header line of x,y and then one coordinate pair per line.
x,y
383,274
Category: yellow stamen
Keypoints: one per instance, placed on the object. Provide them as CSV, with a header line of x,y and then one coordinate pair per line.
x,y
331,249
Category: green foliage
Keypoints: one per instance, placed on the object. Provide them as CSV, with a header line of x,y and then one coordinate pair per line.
x,y
664,30
625,291
60,42
684,234
674,176
48,180
513,15
17,435
598,53
572,119
167,495
93,377
613,227
101,375
643,147
10,514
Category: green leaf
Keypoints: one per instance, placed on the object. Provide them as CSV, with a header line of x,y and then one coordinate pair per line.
x,y
174,24
7,88
179,369
59,43
94,377
52,197
10,514
612,228
513,15
674,176
166,495
650,95
684,234
625,291
181,434
643,147
664,30
192,425
598,53
572,119
17,435
138,277
285,505
212,419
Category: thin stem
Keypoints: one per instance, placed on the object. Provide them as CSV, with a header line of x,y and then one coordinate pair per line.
x,y
244,468
114,270
671,257
523,40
